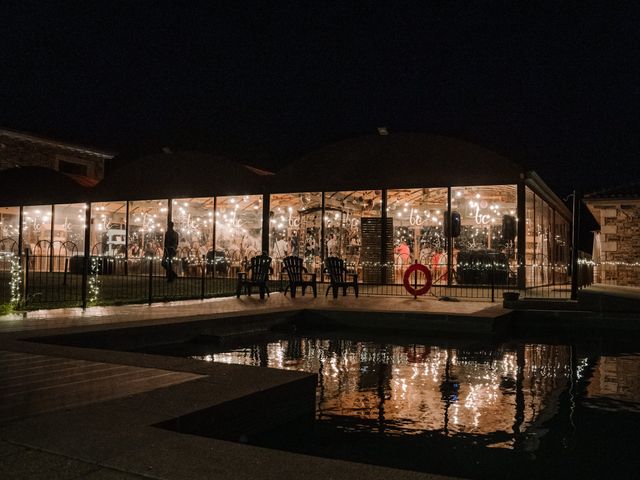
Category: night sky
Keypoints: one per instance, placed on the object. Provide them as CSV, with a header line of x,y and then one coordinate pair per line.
x,y
555,85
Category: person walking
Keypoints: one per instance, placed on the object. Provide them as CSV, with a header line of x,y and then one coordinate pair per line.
x,y
170,250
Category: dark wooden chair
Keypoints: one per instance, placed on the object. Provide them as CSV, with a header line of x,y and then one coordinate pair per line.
x,y
299,276
339,277
257,275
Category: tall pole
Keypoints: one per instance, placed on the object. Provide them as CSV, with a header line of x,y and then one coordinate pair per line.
x,y
521,241
383,238
575,240
86,260
266,226
449,240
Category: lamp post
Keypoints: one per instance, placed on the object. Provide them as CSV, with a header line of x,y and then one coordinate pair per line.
x,y
575,240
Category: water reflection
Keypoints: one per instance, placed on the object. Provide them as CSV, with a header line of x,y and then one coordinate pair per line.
x,y
496,395
615,383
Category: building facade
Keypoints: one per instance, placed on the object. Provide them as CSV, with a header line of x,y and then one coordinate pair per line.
x,y
382,203
616,246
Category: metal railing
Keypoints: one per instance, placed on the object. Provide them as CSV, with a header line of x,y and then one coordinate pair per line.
x,y
54,275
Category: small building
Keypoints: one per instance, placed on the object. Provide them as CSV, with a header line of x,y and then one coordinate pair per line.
x,y
616,246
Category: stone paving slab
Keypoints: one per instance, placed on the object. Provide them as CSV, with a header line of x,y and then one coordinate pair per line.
x,y
37,384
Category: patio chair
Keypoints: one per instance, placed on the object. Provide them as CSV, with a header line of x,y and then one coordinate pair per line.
x,y
339,277
299,276
257,275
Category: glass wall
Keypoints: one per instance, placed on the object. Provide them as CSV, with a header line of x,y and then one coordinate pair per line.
x,y
68,231
36,235
193,220
561,247
488,229
417,216
147,224
9,229
36,227
238,229
294,227
547,245
530,245
352,222
109,230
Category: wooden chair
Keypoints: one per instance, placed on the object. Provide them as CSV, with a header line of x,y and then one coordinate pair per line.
x,y
257,275
299,276
339,277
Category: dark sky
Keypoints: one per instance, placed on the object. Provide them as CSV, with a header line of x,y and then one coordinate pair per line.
x,y
554,84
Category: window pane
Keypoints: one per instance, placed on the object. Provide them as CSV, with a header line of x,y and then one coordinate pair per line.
x,y
147,224
9,228
294,226
351,221
70,224
193,220
417,216
485,215
238,228
109,228
530,248
36,226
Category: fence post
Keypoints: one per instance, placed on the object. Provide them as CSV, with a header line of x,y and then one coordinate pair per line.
x,y
150,280
202,280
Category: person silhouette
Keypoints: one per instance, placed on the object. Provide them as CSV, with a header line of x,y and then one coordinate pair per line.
x,y
170,250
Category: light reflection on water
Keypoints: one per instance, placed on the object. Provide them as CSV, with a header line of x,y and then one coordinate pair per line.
x,y
497,395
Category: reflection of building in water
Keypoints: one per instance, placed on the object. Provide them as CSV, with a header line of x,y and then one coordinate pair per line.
x,y
616,378
416,389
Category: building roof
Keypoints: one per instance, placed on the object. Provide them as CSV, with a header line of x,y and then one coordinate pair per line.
x,y
178,175
38,185
629,191
55,143
396,160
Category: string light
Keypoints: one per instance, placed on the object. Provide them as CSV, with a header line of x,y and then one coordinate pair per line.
x,y
15,284
94,280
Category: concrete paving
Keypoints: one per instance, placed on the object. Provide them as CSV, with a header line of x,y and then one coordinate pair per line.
x,y
72,412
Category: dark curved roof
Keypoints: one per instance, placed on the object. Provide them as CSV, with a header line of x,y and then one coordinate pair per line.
x,y
176,175
396,160
38,185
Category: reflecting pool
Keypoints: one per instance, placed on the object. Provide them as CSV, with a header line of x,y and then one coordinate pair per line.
x,y
509,409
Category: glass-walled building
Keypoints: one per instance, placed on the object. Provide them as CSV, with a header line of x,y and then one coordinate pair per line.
x,y
382,203
472,216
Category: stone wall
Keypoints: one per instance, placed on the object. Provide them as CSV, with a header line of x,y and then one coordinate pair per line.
x,y
17,150
620,237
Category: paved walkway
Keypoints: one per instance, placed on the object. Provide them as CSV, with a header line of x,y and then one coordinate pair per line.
x,y
201,309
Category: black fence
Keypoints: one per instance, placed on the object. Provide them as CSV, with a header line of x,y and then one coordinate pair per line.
x,y
54,274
